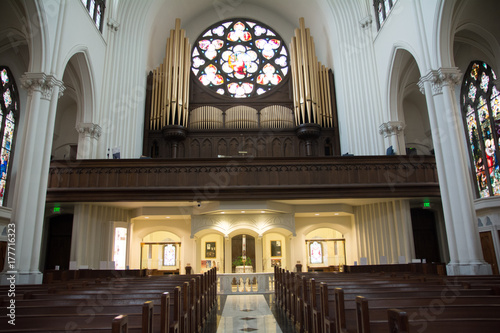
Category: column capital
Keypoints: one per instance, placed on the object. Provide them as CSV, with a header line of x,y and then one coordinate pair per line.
x,y
43,83
440,78
89,129
391,128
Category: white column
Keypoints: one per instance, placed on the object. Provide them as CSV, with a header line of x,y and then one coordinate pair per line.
x,y
31,184
259,259
227,255
393,134
466,257
89,133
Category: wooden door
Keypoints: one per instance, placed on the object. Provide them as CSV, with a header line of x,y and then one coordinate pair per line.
x,y
3,254
489,250
425,235
59,241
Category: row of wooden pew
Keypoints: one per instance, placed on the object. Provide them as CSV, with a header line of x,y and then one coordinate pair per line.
x,y
396,303
166,304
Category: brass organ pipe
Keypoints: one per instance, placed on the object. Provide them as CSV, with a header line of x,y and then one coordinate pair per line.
x,y
160,104
323,97
310,64
187,65
175,76
153,105
168,82
293,64
305,66
316,84
329,97
302,97
157,92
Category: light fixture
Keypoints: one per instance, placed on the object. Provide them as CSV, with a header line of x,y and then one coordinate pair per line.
x,y
263,212
336,214
146,217
223,212
167,217
316,214
243,211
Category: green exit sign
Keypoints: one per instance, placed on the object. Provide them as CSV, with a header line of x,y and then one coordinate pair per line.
x,y
427,205
57,209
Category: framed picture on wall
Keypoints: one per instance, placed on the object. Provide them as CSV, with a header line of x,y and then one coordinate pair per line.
x,y
210,251
276,248
275,262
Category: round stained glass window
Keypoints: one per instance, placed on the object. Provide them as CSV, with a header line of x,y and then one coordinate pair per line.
x,y
240,58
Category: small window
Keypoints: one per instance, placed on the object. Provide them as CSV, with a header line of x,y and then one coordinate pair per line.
x,y
382,10
95,9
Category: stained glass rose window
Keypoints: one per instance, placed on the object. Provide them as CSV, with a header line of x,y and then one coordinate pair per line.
x,y
240,58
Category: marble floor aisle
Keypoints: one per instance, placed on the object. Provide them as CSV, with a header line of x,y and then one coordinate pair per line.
x,y
248,313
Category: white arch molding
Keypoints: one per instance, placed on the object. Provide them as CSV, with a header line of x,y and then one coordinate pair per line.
x,y
229,224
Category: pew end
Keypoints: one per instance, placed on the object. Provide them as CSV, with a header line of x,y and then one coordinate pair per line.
x,y
120,324
398,321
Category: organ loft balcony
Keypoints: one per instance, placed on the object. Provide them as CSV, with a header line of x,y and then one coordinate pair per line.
x,y
243,178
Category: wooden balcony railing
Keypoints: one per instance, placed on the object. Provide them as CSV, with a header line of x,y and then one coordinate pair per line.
x,y
242,178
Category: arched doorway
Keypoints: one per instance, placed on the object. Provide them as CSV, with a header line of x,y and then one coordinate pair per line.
x,y
237,250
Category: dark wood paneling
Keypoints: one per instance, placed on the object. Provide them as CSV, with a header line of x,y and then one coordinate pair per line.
x,y
489,250
242,178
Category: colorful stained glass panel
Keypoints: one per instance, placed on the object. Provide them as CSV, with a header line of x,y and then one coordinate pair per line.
x,y
475,71
7,99
4,76
485,80
316,252
472,92
169,255
238,61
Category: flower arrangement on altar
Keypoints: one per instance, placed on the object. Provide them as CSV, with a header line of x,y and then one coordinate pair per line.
x,y
239,261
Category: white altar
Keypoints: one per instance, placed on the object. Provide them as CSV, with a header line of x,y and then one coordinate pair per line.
x,y
243,269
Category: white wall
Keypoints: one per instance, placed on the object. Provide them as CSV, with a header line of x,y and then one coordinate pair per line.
x,y
142,227
384,229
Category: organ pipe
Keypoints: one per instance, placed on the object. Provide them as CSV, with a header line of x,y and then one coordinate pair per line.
x,y
170,96
310,81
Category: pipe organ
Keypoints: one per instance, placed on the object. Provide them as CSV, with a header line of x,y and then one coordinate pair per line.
x,y
297,117
312,98
170,91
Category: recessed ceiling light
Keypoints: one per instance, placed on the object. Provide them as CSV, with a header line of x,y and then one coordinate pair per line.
x,y
316,214
147,217
243,211
263,212
336,213
223,212
167,217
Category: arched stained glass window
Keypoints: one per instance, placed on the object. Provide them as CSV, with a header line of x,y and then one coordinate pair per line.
x,y
240,58
480,101
8,115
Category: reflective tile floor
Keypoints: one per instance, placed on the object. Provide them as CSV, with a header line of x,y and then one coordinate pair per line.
x,y
247,313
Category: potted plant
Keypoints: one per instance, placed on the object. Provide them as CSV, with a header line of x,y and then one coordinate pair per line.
x,y
241,267
239,261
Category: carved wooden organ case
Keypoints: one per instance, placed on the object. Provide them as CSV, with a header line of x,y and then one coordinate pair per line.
x,y
240,92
